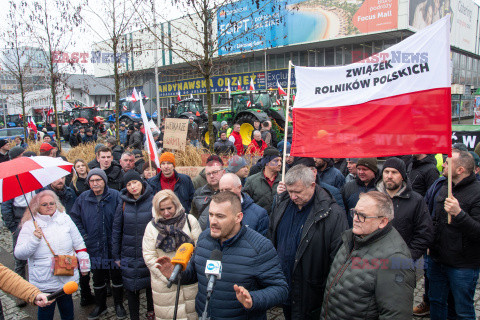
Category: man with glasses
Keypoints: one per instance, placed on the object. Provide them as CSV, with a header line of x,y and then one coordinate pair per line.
x,y
169,178
202,197
262,186
412,218
372,275
93,214
305,227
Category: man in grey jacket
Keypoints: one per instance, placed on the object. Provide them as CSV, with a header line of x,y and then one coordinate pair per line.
x,y
372,274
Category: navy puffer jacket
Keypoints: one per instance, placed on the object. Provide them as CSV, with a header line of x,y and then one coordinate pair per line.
x,y
249,260
131,219
94,220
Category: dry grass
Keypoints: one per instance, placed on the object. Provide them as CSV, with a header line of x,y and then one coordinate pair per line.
x,y
191,157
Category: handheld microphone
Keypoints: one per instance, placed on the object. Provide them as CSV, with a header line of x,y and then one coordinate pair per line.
x,y
213,269
68,288
182,256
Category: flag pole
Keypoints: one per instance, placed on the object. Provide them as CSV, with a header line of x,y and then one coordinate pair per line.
x,y
449,165
285,132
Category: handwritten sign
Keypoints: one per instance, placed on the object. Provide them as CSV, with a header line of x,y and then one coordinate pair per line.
x,y
175,134
192,172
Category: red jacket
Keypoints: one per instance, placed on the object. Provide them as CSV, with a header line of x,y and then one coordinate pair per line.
x,y
238,142
254,148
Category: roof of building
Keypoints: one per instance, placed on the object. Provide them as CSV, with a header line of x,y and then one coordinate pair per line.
x,y
91,85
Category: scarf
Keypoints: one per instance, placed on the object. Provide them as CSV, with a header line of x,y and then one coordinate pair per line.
x,y
170,235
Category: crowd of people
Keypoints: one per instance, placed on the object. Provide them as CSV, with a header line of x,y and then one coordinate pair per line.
x,y
332,239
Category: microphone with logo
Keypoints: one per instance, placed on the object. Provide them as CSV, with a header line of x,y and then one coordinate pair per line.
x,y
68,288
180,261
213,271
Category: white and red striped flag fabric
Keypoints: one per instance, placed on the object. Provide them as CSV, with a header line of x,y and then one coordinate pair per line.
x,y
396,102
150,145
280,89
179,98
252,85
31,125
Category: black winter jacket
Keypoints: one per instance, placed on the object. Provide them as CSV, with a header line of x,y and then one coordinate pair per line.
x,y
457,244
67,197
117,152
370,278
423,173
200,204
320,240
351,192
412,219
131,219
114,176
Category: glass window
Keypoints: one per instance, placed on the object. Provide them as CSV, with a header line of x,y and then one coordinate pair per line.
x,y
463,61
259,63
338,56
347,54
311,58
280,61
321,57
329,57
377,46
357,53
368,49
271,62
303,58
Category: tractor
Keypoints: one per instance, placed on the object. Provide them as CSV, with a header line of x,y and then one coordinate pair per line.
x,y
247,107
130,110
187,108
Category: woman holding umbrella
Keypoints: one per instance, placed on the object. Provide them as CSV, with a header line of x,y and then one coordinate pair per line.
x,y
132,216
170,227
52,230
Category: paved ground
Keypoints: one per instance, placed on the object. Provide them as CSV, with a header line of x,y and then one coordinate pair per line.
x,y
12,312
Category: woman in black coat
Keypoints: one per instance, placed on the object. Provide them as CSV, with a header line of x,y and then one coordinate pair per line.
x,y
132,216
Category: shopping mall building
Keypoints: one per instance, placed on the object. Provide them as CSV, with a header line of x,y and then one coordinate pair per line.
x,y
309,33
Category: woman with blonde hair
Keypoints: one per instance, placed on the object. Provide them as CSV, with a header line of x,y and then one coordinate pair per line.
x,y
170,227
53,230
79,177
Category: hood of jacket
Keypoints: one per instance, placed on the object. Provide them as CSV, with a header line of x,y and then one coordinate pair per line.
x,y
430,158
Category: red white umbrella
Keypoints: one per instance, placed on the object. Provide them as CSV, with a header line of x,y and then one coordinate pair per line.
x,y
23,175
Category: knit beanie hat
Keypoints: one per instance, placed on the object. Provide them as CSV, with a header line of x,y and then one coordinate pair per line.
x,y
236,163
398,164
99,172
476,158
167,156
370,163
15,152
307,162
131,175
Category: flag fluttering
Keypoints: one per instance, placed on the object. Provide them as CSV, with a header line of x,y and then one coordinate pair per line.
x,y
395,102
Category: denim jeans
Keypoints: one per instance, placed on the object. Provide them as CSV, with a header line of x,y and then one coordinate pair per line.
x,y
65,306
460,281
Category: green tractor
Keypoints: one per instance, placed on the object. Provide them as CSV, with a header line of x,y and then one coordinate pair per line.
x,y
247,107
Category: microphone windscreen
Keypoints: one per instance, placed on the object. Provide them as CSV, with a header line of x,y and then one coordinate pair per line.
x,y
70,287
216,255
183,255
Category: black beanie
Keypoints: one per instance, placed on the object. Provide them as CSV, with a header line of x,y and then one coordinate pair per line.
x,y
131,175
398,164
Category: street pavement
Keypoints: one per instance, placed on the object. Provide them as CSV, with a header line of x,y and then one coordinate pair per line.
x,y
12,312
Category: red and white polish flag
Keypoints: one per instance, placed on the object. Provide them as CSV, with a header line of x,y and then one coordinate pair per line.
x,y
179,98
252,85
280,89
395,102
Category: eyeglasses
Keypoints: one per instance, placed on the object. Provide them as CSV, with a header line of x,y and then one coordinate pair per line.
x,y
361,216
48,204
213,173
95,180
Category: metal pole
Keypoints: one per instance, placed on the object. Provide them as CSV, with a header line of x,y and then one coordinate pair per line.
x,y
155,58
266,72
285,132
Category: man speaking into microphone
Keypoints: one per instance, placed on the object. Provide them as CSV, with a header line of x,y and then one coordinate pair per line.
x,y
251,279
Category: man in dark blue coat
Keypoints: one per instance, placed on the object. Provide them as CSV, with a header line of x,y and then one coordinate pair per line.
x,y
169,178
66,194
93,214
251,281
